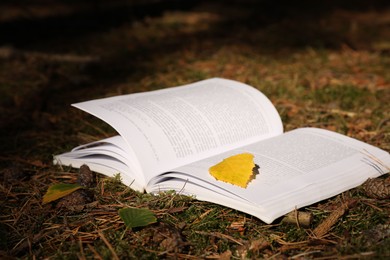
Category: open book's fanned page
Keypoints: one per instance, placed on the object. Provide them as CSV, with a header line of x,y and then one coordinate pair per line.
x,y
297,168
168,128
110,156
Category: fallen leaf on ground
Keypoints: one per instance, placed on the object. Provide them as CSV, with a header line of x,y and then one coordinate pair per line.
x,y
134,217
58,191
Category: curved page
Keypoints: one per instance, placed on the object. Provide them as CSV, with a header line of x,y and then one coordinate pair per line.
x,y
109,156
172,127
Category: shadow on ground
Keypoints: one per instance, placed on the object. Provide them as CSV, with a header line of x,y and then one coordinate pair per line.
x,y
118,44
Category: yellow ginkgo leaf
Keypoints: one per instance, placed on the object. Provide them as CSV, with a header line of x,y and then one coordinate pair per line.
x,y
236,169
59,190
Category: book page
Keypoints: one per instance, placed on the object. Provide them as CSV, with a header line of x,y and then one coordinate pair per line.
x,y
172,127
296,169
109,156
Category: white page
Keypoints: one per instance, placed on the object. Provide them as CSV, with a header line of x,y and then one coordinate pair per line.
x,y
116,154
102,164
296,169
172,127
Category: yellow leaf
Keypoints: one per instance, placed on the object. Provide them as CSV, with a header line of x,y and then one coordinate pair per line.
x,y
58,191
236,169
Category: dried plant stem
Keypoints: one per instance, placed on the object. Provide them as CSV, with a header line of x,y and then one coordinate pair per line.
x,y
114,255
219,235
328,223
300,218
96,254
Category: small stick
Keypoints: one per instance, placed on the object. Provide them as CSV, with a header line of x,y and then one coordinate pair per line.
x,y
96,254
219,235
300,218
114,255
328,223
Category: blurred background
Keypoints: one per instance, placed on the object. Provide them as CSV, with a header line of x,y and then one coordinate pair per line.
x,y
322,63
54,53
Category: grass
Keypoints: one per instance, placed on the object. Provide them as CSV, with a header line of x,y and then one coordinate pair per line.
x,y
330,73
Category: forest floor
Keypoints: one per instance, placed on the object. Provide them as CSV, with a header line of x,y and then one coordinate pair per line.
x,y
323,65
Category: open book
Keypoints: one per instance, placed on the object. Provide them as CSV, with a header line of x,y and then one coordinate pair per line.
x,y
168,139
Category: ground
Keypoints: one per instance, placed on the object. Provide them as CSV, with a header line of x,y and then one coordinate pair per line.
x,y
321,64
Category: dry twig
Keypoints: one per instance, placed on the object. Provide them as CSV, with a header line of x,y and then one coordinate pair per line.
x,y
114,255
300,218
219,235
324,227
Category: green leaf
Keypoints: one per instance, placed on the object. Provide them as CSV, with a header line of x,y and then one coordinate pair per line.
x,y
134,217
59,190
